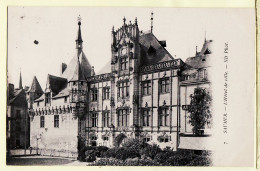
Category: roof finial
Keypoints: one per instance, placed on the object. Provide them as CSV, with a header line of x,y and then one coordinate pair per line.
x,y
124,20
196,50
20,80
151,21
113,29
79,20
79,38
135,20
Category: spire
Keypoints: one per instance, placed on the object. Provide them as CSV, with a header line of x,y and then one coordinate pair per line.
x,y
205,35
20,81
79,38
151,22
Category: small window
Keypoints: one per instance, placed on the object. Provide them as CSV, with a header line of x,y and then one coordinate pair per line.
x,y
164,85
65,99
164,139
146,88
81,82
106,93
38,104
94,96
42,120
146,139
94,119
105,138
93,138
56,121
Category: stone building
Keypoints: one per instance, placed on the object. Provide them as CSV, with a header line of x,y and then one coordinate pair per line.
x,y
17,119
140,96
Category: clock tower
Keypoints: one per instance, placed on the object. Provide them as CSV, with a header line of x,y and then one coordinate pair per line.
x,y
125,62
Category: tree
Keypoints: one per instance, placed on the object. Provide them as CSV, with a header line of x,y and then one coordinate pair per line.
x,y
200,110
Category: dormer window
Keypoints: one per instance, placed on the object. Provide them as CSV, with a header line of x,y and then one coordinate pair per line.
x,y
47,98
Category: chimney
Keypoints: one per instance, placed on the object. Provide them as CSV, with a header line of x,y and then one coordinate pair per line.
x,y
10,91
63,67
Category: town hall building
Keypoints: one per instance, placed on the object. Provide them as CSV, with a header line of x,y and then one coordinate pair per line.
x,y
140,97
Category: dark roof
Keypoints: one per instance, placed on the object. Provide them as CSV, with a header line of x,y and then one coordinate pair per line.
x,y
152,51
55,84
35,87
202,58
84,63
15,95
19,98
78,74
40,98
62,93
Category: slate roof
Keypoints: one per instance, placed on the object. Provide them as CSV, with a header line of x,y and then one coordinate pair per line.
x,y
40,98
201,60
84,65
15,95
35,87
105,69
78,74
152,51
55,84
62,93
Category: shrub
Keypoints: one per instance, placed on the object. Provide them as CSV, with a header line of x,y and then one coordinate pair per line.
x,y
163,156
108,162
90,156
121,153
135,143
151,151
201,161
117,162
118,139
98,151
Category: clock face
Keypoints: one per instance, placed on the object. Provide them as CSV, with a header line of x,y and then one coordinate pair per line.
x,y
123,51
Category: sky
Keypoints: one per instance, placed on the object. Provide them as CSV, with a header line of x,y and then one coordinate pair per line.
x,y
55,30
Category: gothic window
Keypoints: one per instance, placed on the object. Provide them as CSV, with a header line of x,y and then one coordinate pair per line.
x,y
94,94
42,120
164,116
146,88
146,117
123,89
164,85
56,121
48,98
123,117
106,93
105,119
123,63
94,120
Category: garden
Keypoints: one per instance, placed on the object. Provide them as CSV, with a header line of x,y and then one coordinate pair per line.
x,y
136,152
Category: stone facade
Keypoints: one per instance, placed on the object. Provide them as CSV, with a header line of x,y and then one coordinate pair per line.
x,y
141,97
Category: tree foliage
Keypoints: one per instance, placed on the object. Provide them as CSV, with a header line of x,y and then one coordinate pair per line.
x,y
200,110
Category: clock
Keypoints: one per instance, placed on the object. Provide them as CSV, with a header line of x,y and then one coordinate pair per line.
x,y
123,51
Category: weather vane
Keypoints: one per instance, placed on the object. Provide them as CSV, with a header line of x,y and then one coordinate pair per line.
x,y
79,18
